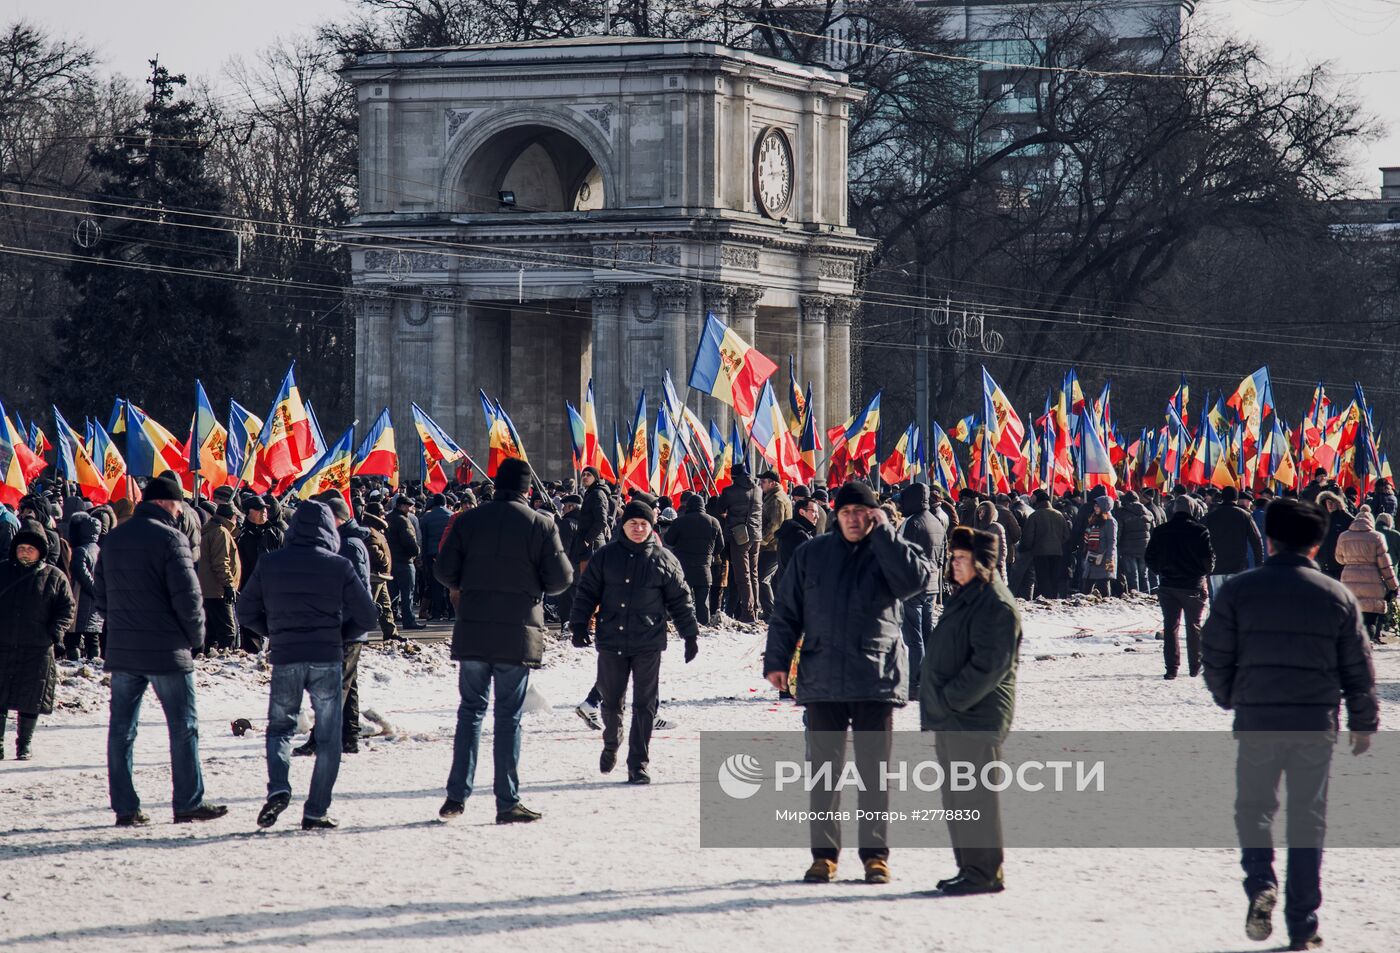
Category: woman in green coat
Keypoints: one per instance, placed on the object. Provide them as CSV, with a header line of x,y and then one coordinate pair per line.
x,y
967,695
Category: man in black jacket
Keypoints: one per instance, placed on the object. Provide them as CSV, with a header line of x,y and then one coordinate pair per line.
x,y
930,536
634,584
742,506
1234,537
1283,645
843,597
695,537
796,531
594,518
148,592
498,561
307,601
406,548
1179,552
1044,538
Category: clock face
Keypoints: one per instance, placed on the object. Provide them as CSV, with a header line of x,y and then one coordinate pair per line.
x,y
772,172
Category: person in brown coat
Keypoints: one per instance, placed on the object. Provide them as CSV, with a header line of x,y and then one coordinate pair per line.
x,y
381,565
220,571
1366,569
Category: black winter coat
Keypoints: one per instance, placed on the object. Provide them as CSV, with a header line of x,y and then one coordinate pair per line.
x,y
922,528
1179,552
742,505
845,601
1046,532
1283,645
695,537
968,682
503,557
404,542
83,532
148,591
253,542
1338,522
594,520
36,609
1134,528
792,534
354,546
306,598
633,587
1234,536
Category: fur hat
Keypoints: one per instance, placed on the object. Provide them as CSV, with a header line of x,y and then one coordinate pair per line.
x,y
982,545
855,493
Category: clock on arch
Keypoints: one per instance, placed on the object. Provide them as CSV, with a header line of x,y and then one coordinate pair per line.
x,y
772,172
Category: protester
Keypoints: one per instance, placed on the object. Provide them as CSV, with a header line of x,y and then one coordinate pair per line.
x,y
150,596
927,534
695,537
741,505
1179,552
36,611
220,575
307,601
381,563
1367,570
498,561
634,585
433,524
844,594
406,550
1135,525
986,519
1233,537
1282,646
968,699
1101,548
1338,522
777,510
85,639
1044,538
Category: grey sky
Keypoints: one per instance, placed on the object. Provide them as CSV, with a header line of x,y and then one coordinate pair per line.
x,y
200,36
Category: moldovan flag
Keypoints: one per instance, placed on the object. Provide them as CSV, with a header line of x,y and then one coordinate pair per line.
x,y
1098,471
576,434
286,441
151,448
1005,427
378,455
728,369
722,472
438,447
945,467
665,474
208,447
243,429
593,455
635,470
331,471
18,464
897,467
318,439
109,460
74,463
770,434
862,435
1252,399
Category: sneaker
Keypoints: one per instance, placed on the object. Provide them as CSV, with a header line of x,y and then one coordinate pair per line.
x,y
518,814
139,819
272,809
451,808
1258,920
607,761
661,724
638,776
1313,942
319,823
205,812
589,714
306,750
821,872
877,871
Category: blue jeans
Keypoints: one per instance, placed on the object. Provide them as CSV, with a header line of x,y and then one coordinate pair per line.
x,y
322,681
1135,572
176,693
918,626
474,684
406,586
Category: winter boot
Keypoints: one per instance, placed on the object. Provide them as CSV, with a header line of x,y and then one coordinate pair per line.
x,y
451,808
27,724
305,751
205,812
607,761
821,872
1313,942
877,871
272,809
1258,920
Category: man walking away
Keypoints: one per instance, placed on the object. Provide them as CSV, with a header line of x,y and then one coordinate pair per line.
x,y
1179,552
381,564
307,601
742,505
695,537
1045,538
498,562
1135,526
433,523
927,533
843,597
148,592
634,584
1283,645
1233,537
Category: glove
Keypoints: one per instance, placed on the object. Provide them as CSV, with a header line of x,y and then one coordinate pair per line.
x,y
581,639
229,595
692,649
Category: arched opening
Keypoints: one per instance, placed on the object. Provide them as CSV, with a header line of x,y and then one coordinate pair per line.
x,y
545,170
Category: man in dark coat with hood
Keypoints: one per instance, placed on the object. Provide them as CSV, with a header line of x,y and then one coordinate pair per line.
x,y
928,533
148,591
843,597
742,506
695,537
498,562
307,601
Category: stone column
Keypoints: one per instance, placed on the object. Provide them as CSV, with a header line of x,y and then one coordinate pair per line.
x,y
672,299
812,355
442,389
607,355
838,360
373,336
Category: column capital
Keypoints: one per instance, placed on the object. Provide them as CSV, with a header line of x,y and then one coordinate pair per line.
x,y
374,300
842,309
816,307
671,294
442,299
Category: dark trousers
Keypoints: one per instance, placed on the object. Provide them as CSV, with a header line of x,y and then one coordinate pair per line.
x,y
220,630
81,644
872,723
918,626
1304,765
700,595
438,606
977,845
1176,603
719,575
350,694
1049,576
387,626
767,573
644,669
743,579
406,591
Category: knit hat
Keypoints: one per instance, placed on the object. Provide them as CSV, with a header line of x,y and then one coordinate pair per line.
x,y
1229,494
162,488
338,507
374,508
855,493
513,476
638,510
593,471
573,498
1040,496
1294,524
982,545
1103,504
225,511
768,475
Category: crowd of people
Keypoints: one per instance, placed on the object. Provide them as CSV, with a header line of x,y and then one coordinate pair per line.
x,y
871,601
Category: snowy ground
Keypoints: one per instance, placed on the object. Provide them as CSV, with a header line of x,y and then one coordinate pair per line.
x,y
611,866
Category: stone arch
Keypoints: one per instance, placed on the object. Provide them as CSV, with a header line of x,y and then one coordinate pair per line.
x,y
549,149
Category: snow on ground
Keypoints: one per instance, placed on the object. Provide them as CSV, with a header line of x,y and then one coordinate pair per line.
x,y
611,866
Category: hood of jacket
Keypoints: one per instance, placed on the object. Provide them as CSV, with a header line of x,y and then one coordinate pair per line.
x,y
350,528
34,534
83,529
914,499
1363,523
313,525
371,521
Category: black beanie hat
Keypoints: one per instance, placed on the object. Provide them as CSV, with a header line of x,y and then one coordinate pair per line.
x,y
1294,524
513,476
162,488
639,510
855,493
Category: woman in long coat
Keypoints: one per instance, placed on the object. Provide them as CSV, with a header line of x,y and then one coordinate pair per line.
x,y
1366,569
36,609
